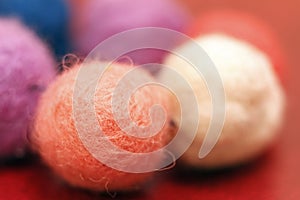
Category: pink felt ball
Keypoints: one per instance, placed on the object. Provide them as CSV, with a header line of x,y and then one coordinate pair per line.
x,y
26,68
98,20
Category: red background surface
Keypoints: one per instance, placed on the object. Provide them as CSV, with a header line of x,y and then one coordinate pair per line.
x,y
274,175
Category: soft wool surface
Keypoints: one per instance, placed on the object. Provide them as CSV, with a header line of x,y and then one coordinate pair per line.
x,y
56,137
26,68
101,19
245,27
49,18
254,101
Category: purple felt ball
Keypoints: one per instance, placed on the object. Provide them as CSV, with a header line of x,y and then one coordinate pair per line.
x,y
26,68
101,19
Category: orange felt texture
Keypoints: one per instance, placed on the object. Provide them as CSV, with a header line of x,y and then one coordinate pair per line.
x,y
55,135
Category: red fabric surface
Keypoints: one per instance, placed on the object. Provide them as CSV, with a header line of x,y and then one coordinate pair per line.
x,y
273,176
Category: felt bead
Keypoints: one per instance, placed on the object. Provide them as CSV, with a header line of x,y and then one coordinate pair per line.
x,y
49,18
27,67
254,101
57,139
101,19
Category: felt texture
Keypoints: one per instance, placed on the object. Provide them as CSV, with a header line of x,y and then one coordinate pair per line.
x,y
49,18
254,101
56,137
243,26
99,20
272,177
27,67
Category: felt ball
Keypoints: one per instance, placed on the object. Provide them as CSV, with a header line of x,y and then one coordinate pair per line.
x,y
27,67
245,27
103,19
49,18
58,141
254,101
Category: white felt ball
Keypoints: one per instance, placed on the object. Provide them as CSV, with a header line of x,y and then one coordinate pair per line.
x,y
254,101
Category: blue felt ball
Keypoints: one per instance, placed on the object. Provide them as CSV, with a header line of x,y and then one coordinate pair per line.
x,y
49,18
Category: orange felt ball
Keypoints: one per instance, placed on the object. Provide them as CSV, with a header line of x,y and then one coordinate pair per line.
x,y
56,133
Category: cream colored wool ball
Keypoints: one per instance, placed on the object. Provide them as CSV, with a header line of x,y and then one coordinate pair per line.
x,y
254,101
